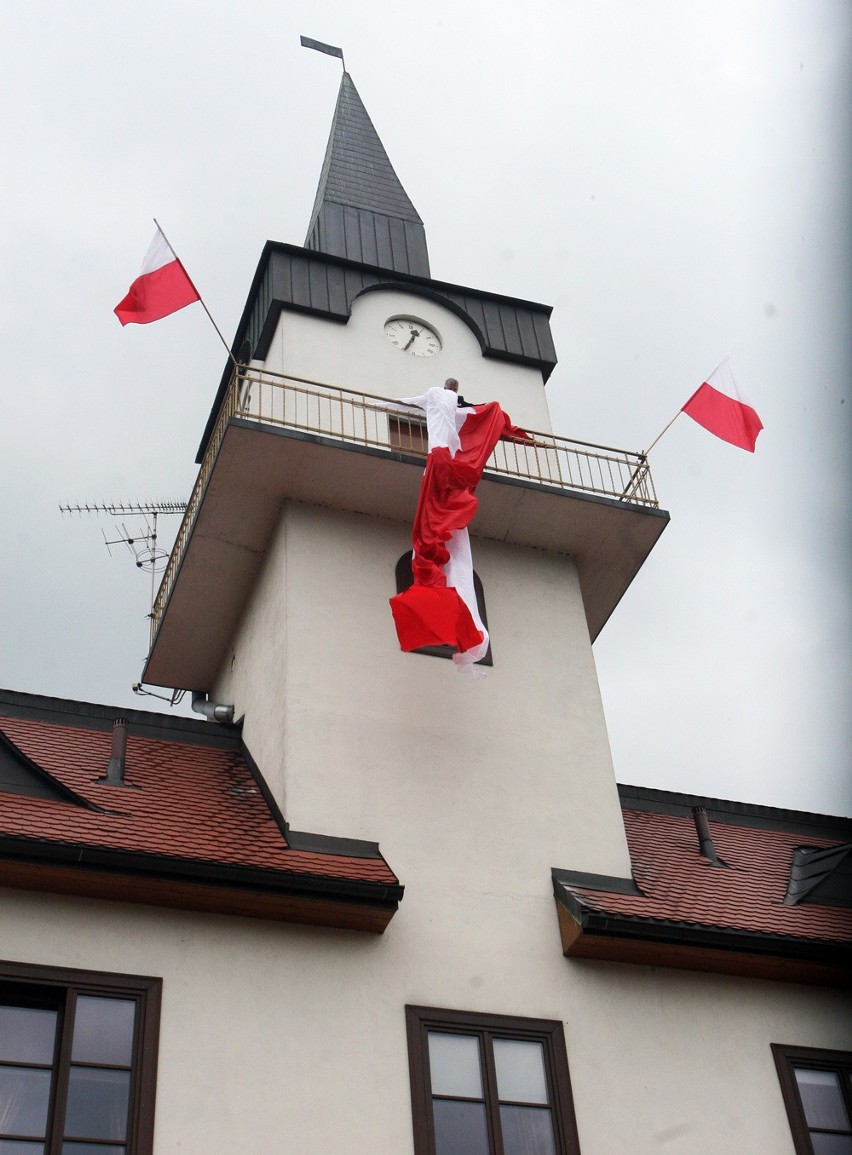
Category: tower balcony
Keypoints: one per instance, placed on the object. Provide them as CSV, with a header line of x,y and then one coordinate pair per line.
x,y
281,438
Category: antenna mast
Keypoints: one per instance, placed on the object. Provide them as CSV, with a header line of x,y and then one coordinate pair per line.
x,y
142,545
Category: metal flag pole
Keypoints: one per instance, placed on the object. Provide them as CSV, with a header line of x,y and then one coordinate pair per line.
x,y
643,458
659,435
201,299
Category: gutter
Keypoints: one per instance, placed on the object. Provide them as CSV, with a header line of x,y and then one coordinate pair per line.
x,y
592,934
187,870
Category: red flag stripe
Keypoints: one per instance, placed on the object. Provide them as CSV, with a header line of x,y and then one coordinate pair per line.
x,y
157,294
161,288
726,417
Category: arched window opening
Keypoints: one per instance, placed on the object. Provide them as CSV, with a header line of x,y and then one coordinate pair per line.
x,y
405,578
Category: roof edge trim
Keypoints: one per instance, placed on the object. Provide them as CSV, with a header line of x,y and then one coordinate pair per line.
x,y
81,715
725,810
591,934
38,851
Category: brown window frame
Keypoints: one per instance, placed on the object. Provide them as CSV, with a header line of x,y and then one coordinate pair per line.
x,y
404,579
787,1058
487,1027
59,986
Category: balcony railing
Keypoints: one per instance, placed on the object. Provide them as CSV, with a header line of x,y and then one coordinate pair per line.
x,y
363,419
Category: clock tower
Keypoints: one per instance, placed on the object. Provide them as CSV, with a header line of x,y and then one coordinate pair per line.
x,y
275,600
204,947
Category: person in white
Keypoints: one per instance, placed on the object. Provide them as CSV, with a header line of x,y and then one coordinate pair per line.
x,y
444,419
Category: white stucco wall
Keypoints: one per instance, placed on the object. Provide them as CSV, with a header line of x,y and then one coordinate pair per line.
x,y
279,1037
360,740
359,356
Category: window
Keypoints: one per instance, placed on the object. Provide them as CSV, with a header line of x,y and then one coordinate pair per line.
x,y
404,579
817,1090
489,1085
78,1062
408,433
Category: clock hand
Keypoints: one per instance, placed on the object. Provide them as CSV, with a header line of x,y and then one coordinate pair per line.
x,y
414,333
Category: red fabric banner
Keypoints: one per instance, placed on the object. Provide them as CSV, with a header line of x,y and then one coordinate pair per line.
x,y
429,610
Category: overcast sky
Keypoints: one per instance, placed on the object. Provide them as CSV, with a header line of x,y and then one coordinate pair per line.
x,y
672,177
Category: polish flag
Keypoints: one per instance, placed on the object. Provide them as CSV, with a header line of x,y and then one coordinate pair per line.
x,y
718,406
440,608
161,288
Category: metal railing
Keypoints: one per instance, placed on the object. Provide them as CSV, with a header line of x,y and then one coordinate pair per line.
x,y
364,419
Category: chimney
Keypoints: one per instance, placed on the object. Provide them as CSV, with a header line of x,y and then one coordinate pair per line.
x,y
115,770
705,838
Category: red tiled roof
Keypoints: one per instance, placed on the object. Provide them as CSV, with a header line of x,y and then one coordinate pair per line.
x,y
191,801
678,885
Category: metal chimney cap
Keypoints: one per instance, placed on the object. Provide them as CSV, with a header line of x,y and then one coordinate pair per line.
x,y
117,764
705,838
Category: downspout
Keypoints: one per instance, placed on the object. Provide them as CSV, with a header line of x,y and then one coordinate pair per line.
x,y
213,711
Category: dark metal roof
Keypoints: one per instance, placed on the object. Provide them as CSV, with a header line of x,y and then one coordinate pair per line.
x,y
361,210
821,875
19,775
288,277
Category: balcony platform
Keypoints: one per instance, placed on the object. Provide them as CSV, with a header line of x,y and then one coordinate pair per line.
x,y
255,465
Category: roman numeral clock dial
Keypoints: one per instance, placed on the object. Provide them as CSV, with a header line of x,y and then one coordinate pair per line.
x,y
412,336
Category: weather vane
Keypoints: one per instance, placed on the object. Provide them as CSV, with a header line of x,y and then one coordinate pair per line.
x,y
328,49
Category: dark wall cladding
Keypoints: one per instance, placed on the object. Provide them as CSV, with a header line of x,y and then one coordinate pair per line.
x,y
511,330
370,238
261,308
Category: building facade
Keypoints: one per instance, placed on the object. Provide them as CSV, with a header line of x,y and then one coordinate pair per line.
x,y
383,906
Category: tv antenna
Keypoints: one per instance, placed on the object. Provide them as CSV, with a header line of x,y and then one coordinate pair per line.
x,y
143,545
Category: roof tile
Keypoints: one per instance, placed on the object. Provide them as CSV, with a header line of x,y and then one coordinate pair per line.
x,y
679,885
181,801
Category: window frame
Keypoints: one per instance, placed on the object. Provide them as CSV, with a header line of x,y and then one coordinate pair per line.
x,y
487,1027
61,986
408,433
787,1058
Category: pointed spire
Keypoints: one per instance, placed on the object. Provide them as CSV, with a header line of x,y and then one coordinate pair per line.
x,y
361,210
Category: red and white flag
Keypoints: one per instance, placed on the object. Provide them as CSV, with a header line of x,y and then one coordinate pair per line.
x,y
161,288
440,608
718,405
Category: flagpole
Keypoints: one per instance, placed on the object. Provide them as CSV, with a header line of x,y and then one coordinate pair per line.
x,y
659,435
643,457
201,299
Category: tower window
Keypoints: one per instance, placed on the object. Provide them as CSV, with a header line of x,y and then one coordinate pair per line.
x,y
489,1085
405,578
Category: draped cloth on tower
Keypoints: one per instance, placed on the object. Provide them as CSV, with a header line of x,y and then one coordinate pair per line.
x,y
440,608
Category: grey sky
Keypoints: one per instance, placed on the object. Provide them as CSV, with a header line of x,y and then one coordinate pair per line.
x,y
673,178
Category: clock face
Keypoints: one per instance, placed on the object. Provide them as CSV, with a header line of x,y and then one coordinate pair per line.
x,y
413,336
